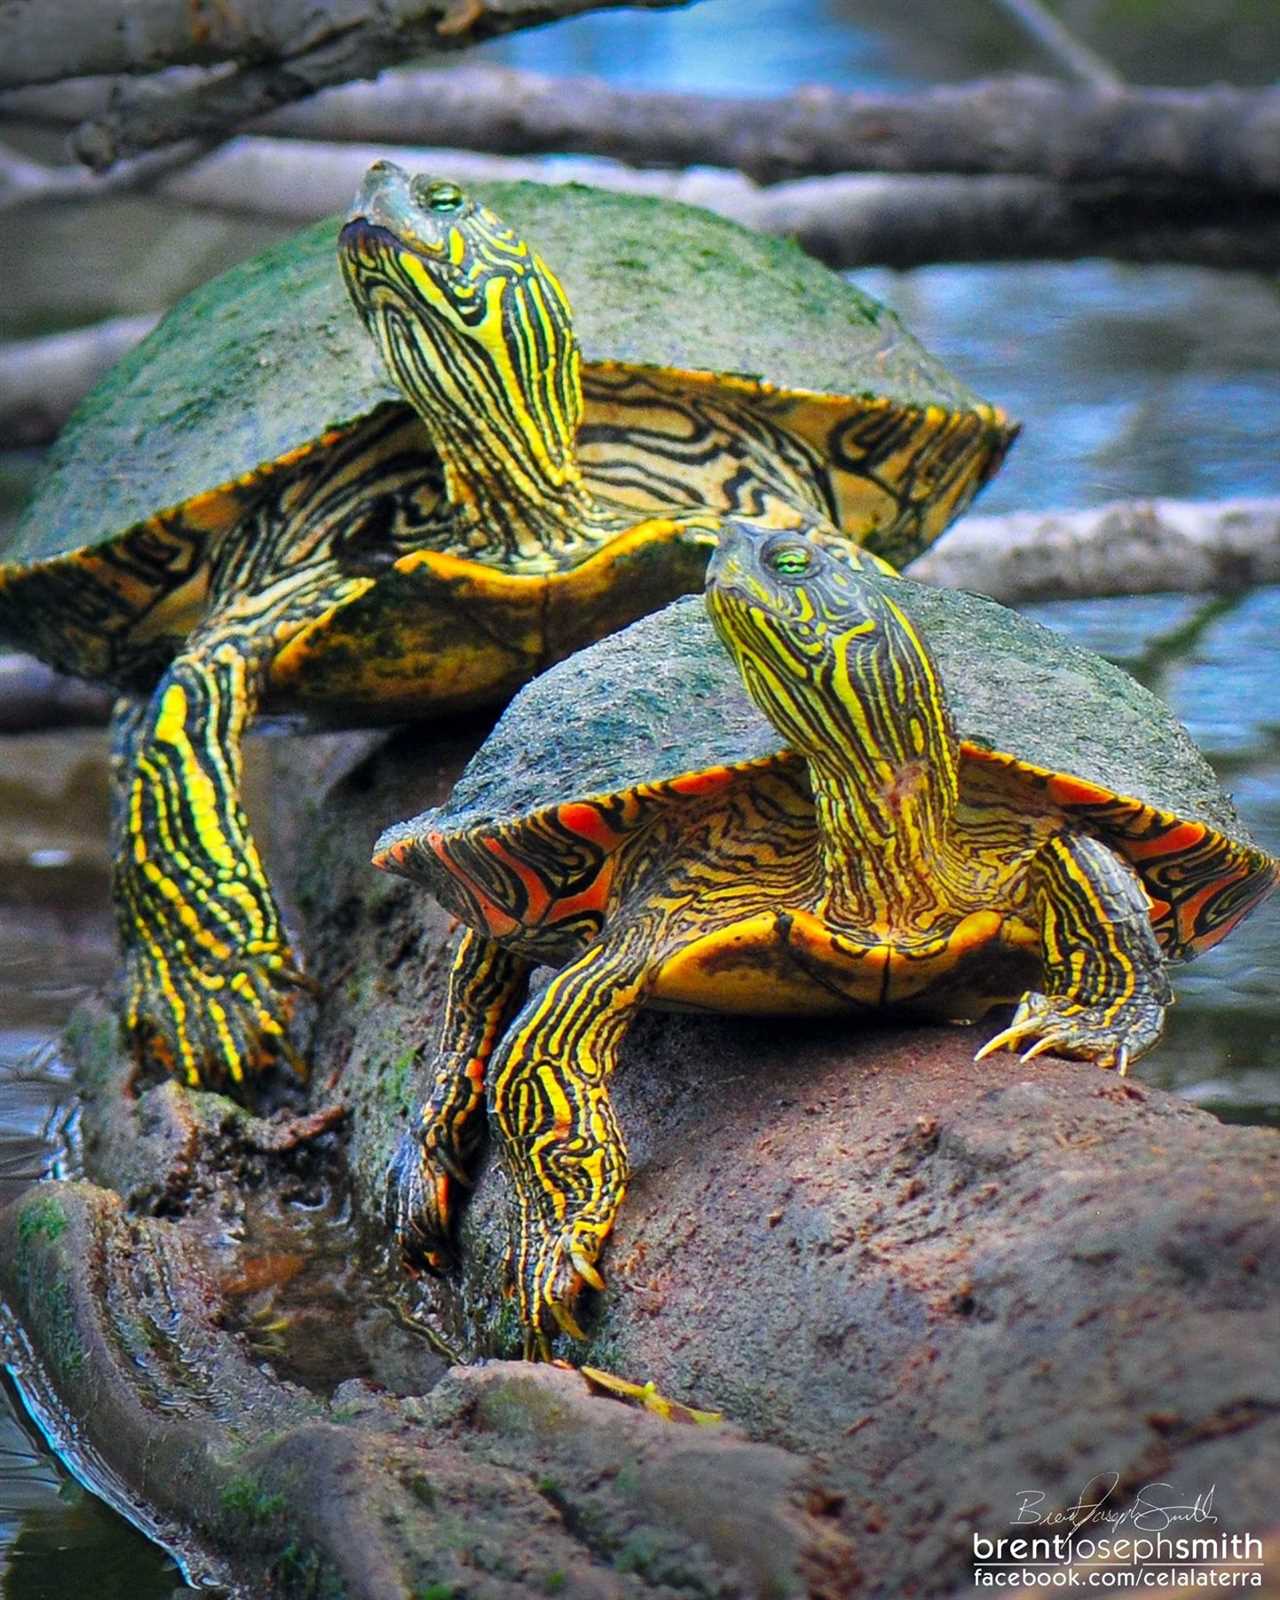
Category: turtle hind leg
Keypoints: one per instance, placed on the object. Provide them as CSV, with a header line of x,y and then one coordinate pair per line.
x,y
563,1149
486,986
1105,989
210,978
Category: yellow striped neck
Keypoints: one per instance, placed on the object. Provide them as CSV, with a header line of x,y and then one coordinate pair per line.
x,y
885,845
524,502
840,671
477,333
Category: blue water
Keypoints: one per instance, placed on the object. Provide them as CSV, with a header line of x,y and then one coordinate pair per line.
x,y
741,47
1131,381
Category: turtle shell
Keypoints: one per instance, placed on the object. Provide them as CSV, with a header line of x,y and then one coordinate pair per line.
x,y
660,706
261,365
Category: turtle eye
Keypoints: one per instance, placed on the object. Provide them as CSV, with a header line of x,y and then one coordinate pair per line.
x,y
790,560
438,197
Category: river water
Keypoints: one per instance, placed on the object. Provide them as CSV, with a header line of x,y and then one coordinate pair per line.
x,y
1131,381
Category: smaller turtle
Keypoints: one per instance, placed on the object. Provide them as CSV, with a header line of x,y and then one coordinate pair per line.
x,y
850,835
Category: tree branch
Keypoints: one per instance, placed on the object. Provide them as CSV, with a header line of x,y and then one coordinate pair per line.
x,y
281,51
1218,140
1221,139
847,221
1127,547
44,41
26,182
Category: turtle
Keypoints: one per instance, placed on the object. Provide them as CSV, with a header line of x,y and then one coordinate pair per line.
x,y
827,791
276,508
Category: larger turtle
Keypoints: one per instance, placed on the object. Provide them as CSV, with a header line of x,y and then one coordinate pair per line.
x,y
921,802
254,514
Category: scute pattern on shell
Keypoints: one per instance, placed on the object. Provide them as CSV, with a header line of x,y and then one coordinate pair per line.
x,y
662,697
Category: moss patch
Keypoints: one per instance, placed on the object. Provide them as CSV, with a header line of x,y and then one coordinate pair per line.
x,y
244,1496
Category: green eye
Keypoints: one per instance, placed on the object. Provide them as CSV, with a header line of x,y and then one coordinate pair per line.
x,y
438,196
790,561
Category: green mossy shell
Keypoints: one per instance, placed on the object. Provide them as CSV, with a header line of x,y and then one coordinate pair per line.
x,y
260,361
663,698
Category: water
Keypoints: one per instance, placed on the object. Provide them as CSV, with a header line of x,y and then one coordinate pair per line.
x,y
1132,381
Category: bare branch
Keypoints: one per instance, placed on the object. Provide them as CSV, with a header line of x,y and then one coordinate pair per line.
x,y
283,50
24,182
42,380
1127,547
1221,139
847,221
43,41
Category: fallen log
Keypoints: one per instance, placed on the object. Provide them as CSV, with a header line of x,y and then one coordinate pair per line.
x,y
846,220
1216,138
922,1291
1124,547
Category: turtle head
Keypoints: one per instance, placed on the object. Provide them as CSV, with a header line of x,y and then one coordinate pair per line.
x,y
826,652
471,323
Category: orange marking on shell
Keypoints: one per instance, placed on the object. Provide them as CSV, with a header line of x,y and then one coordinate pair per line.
x,y
1067,791
498,923
588,822
698,783
393,856
592,898
1183,836
539,899
1189,913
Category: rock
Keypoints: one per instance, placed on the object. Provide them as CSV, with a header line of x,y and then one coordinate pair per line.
x,y
508,1479
933,1298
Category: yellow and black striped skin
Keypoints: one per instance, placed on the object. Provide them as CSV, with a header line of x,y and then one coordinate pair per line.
x,y
385,572
875,861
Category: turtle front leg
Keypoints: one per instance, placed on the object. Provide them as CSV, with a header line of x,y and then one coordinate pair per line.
x,y
549,1102
486,986
210,979
1105,988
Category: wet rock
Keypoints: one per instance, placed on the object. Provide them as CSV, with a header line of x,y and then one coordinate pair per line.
x,y
503,1480
932,1297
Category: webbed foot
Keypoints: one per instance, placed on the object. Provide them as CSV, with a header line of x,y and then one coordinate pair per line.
x,y
211,1025
1108,1034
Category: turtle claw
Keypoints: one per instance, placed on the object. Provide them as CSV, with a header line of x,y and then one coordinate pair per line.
x,y
1108,1034
586,1270
417,1210
556,1270
1006,1038
289,976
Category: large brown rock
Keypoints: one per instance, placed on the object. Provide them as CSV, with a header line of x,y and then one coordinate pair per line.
x,y
924,1292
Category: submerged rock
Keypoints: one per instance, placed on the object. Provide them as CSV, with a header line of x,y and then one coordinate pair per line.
x,y
933,1299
